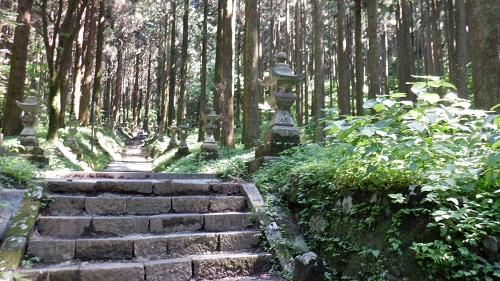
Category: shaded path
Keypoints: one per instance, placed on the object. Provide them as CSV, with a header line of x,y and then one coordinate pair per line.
x,y
134,158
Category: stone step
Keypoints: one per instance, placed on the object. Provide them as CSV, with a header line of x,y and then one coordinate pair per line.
x,y
205,267
105,226
112,204
142,187
57,250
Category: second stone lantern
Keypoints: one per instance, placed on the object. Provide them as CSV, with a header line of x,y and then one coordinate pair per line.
x,y
282,133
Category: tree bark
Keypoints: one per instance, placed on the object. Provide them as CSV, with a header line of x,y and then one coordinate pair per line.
x,y
360,76
97,89
461,50
203,74
172,70
227,104
251,112
181,105
89,65
374,74
484,27
319,71
343,93
12,124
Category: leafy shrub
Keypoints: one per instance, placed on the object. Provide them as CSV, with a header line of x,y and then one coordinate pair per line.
x,y
435,165
16,171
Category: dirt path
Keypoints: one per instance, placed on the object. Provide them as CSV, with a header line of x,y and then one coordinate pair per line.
x,y
134,158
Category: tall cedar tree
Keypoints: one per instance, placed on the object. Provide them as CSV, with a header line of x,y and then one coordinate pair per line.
x,y
485,30
97,89
343,89
251,112
181,113
203,74
319,71
172,70
12,124
89,64
58,51
374,75
360,75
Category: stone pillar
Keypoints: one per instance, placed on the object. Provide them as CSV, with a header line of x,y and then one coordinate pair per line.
x,y
28,138
173,131
183,149
282,133
209,148
71,142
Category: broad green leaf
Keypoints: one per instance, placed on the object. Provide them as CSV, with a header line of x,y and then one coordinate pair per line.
x,y
379,107
418,87
493,159
427,188
432,116
453,200
383,123
496,145
416,126
413,166
398,95
371,169
431,98
388,103
369,104
369,131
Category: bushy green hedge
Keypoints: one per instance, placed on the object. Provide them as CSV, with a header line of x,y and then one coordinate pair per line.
x,y
16,171
410,184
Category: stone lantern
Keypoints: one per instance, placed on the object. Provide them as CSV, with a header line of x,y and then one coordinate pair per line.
x,y
28,138
209,148
72,142
173,131
281,134
183,149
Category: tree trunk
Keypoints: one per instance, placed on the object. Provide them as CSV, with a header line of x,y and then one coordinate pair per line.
x,y
172,70
251,112
77,75
374,74
135,91
343,88
203,74
360,76
119,85
319,71
405,43
145,125
227,98
89,65
484,27
181,105
461,50
12,124
298,58
96,93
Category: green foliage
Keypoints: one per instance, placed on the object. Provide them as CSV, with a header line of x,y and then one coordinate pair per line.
x,y
16,171
433,166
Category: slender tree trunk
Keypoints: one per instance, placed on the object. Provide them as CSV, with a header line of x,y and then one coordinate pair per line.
x,y
405,43
119,85
172,71
89,65
484,26
461,50
437,53
147,102
97,90
203,78
181,114
319,71
12,124
298,58
360,76
343,88
450,31
373,51
135,91
77,75
251,112
227,106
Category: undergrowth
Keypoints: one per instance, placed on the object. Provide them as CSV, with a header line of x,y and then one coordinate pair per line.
x,y
410,184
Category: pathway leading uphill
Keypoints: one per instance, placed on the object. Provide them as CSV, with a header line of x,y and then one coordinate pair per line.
x,y
124,224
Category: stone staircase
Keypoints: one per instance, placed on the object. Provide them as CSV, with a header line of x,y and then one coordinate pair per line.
x,y
146,229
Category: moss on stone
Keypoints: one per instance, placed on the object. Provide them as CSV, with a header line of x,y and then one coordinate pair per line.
x,y
24,221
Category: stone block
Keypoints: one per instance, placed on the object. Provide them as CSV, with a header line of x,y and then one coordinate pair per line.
x,y
181,187
55,273
190,204
64,226
230,265
151,247
175,223
70,186
112,272
227,204
225,188
51,250
171,269
239,241
227,221
191,244
124,186
120,226
106,205
149,205
102,249
68,205
308,267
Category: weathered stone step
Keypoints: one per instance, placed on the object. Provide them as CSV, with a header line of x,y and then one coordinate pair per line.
x,y
105,226
56,250
111,204
204,267
144,187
